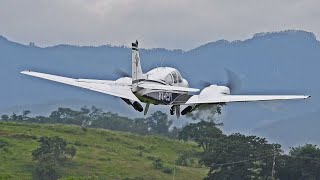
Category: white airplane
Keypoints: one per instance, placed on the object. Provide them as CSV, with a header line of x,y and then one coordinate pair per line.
x,y
160,86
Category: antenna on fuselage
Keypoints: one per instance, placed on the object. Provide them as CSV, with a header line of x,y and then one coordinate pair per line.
x,y
161,59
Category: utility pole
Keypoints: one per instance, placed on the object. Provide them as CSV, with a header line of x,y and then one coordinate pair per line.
x,y
274,163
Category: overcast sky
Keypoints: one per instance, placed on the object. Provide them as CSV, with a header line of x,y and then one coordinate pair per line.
x,y
181,24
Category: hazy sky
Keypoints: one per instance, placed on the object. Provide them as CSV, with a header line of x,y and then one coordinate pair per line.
x,y
182,24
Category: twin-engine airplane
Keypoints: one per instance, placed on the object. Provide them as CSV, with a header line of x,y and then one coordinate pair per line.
x,y
160,86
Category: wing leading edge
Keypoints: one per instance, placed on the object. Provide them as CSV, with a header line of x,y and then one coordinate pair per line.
x,y
103,86
196,99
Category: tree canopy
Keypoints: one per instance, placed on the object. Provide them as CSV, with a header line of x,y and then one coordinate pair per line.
x,y
158,123
53,151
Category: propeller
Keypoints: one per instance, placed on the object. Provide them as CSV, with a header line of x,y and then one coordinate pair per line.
x,y
233,81
121,73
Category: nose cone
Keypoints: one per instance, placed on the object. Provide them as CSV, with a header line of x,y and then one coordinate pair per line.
x,y
224,90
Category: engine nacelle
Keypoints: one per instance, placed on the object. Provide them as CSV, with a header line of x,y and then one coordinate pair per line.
x,y
125,80
186,110
137,106
214,90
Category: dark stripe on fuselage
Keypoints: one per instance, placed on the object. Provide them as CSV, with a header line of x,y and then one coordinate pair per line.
x,y
183,98
134,48
162,96
166,98
147,80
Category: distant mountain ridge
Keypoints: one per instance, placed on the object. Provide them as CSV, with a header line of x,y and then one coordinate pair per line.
x,y
256,36
283,62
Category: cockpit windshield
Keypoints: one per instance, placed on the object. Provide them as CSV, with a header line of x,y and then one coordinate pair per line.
x,y
173,78
176,77
179,77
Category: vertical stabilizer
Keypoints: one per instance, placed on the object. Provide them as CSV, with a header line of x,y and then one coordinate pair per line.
x,y
136,64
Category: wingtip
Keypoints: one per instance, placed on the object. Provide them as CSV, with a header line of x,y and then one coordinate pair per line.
x,y
25,72
306,96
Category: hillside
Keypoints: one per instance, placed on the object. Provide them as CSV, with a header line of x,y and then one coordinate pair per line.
x,y
101,154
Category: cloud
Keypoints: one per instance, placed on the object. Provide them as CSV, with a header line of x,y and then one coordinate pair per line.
x,y
182,24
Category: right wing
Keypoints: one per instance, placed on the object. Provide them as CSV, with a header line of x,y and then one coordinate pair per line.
x,y
197,99
119,89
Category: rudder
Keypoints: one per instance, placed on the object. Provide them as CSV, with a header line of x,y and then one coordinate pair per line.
x,y
136,64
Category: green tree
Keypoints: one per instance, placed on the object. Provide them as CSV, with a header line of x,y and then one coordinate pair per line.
x,y
14,117
202,132
158,123
303,162
4,117
25,114
51,153
240,157
66,116
140,126
112,121
89,115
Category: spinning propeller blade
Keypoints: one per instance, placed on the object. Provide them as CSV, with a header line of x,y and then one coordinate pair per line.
x,y
233,82
121,73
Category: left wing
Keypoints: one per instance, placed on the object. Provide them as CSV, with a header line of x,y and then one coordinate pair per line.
x,y
116,88
197,99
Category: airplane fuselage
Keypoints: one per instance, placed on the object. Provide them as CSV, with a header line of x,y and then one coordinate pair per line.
x,y
162,76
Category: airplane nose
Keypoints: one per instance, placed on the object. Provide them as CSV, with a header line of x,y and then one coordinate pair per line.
x,y
225,90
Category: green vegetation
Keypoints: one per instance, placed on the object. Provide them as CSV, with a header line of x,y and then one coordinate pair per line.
x,y
71,144
157,123
52,154
303,162
100,154
237,156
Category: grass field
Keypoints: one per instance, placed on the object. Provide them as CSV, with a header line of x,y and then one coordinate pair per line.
x,y
101,154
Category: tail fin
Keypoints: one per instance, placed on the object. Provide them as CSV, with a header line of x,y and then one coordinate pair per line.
x,y
136,64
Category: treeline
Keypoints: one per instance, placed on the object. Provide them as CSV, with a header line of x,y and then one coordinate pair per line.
x,y
237,156
157,123
234,156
